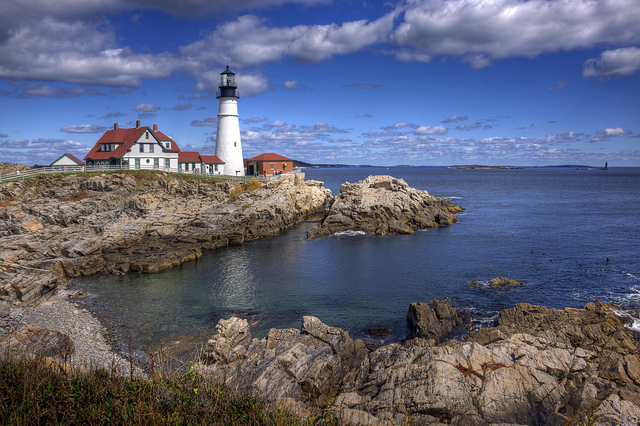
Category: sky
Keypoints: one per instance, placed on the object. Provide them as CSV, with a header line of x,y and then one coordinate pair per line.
x,y
412,82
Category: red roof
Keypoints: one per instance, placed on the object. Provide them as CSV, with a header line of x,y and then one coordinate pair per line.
x,y
211,159
125,138
74,158
269,157
188,157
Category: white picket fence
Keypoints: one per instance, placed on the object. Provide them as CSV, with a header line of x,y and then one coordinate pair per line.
x,y
29,173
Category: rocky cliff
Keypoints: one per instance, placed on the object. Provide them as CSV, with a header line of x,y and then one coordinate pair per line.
x,y
59,226
538,366
384,205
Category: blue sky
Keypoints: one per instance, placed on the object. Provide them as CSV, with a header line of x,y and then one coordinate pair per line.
x,y
418,82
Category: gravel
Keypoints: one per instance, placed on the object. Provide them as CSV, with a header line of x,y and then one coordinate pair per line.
x,y
60,314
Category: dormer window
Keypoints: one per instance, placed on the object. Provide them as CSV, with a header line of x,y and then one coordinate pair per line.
x,y
168,145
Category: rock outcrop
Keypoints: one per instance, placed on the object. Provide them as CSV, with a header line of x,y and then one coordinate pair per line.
x,y
384,205
437,321
538,366
59,226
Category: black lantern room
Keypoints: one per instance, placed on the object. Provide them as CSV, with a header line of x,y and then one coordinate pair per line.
x,y
227,86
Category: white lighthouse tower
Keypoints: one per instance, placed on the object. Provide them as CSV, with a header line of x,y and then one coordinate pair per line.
x,y
228,146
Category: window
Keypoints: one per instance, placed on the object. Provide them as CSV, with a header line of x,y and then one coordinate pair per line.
x,y
146,135
151,148
235,144
141,147
272,166
168,145
215,167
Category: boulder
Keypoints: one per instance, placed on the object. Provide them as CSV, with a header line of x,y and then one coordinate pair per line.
x,y
384,205
306,365
437,320
37,341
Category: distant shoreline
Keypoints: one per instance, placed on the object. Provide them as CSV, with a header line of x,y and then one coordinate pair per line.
x,y
483,167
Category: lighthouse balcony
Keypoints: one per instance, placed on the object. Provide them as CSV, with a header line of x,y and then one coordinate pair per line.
x,y
228,92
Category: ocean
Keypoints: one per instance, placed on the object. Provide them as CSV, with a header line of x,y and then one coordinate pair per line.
x,y
570,235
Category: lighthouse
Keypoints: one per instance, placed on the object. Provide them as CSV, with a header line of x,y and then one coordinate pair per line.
x,y
228,146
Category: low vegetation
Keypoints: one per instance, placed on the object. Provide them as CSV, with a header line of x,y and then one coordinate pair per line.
x,y
32,392
244,187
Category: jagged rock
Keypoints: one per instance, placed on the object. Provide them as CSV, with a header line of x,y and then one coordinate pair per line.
x,y
503,281
539,366
384,205
437,320
33,340
306,365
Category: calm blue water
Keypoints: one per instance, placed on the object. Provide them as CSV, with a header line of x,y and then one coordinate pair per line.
x,y
572,236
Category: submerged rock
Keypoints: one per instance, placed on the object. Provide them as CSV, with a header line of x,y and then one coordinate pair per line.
x,y
384,205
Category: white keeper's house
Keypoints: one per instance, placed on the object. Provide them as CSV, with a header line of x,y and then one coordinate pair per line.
x,y
134,148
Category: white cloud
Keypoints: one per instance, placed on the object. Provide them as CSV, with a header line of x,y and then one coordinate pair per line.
x,y
291,85
613,63
210,121
146,108
77,52
247,41
430,130
455,119
83,128
52,143
605,134
480,32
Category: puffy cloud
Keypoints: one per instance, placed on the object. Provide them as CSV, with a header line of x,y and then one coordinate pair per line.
x,y
610,133
77,52
480,32
247,41
430,130
83,128
324,128
613,63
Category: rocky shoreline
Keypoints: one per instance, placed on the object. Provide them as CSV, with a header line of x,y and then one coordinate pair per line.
x,y
537,366
63,330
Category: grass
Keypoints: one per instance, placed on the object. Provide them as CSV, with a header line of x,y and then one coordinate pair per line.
x,y
244,187
33,392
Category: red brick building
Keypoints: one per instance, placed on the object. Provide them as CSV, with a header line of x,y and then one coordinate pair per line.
x,y
270,163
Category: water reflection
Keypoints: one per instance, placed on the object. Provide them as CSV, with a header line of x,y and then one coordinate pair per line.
x,y
234,284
